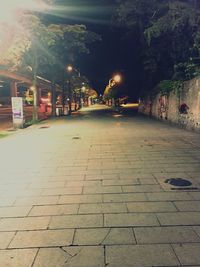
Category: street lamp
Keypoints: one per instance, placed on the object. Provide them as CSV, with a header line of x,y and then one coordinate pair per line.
x,y
83,89
116,79
70,68
112,82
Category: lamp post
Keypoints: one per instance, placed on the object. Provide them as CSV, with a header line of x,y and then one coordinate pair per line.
x,y
71,69
116,79
83,88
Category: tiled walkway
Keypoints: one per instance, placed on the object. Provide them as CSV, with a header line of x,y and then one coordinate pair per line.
x,y
90,191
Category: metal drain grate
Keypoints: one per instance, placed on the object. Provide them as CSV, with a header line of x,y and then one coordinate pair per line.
x,y
76,138
178,182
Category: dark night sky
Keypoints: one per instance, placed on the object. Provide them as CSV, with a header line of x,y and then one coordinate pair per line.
x,y
114,53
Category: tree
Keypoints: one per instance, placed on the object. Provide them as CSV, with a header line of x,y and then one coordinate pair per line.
x,y
44,49
71,41
169,36
27,38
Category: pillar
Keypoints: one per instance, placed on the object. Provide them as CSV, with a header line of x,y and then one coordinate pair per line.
x,y
13,89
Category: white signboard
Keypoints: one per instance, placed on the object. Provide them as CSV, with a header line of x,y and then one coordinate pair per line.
x,y
17,112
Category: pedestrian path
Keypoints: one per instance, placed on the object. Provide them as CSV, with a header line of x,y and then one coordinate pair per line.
x,y
91,191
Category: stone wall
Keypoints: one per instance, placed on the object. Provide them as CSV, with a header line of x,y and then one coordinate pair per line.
x,y
182,109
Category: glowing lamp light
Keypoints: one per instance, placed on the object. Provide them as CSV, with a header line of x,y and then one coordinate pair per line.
x,y
69,68
83,89
32,88
117,78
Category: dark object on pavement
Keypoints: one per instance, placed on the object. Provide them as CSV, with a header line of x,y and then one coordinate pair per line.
x,y
178,182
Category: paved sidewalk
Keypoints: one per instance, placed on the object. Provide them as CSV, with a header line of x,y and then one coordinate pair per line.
x,y
90,191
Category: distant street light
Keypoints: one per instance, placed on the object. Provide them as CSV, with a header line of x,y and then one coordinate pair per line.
x,y
83,89
70,68
112,82
116,79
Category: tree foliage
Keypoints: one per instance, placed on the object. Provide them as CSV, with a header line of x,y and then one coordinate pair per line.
x,y
169,37
44,48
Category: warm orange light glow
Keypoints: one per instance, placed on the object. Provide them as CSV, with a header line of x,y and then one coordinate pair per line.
x,y
113,81
69,68
117,78
83,88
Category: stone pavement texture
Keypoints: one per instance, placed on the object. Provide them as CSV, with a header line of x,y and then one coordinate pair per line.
x,y
90,191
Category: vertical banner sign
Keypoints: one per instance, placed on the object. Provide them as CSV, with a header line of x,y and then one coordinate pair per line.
x,y
17,112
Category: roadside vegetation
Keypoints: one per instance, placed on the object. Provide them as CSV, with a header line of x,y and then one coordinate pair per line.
x,y
167,36
36,46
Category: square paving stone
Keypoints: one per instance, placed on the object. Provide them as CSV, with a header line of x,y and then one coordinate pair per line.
x,y
179,218
51,257
104,236
54,210
17,257
45,200
47,238
14,211
83,183
140,256
147,181
5,238
62,191
168,196
103,208
120,182
141,188
130,219
187,205
151,206
195,195
28,223
76,221
188,254
152,235
85,256
102,177
124,197
102,189
80,199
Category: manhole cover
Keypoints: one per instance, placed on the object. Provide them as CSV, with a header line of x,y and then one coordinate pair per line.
x,y
178,182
